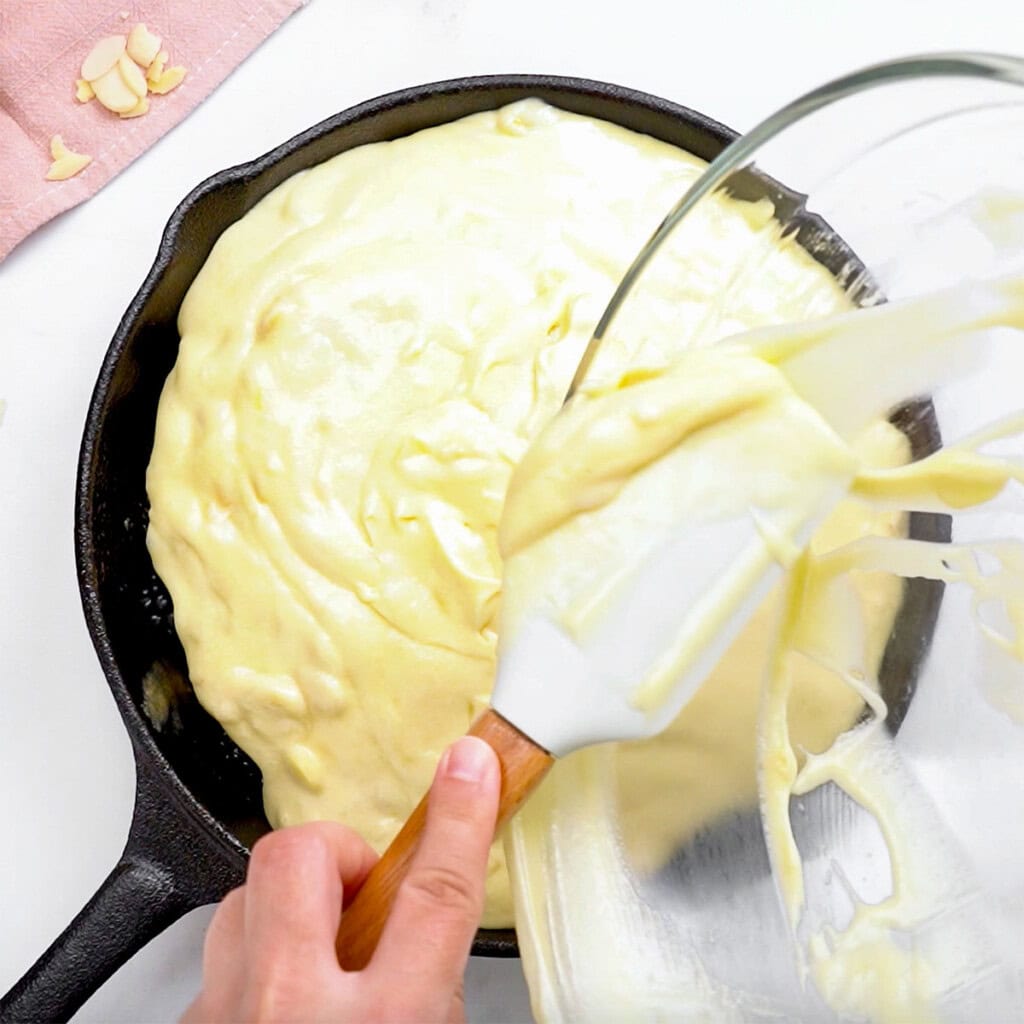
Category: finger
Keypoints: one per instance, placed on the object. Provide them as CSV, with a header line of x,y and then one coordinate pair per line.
x,y
222,965
427,938
457,1009
224,936
294,891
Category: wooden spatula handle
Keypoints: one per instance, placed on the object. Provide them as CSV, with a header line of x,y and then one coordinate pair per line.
x,y
523,765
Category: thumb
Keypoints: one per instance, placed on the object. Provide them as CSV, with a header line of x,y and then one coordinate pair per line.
x,y
427,939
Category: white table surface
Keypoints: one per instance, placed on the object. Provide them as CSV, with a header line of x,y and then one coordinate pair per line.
x,y
66,772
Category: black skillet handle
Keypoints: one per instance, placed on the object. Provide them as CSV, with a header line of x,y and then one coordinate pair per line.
x,y
171,865
135,903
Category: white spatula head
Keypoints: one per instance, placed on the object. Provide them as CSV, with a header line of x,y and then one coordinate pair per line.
x,y
641,531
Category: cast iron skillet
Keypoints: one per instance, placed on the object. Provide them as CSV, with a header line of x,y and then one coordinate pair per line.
x,y
198,803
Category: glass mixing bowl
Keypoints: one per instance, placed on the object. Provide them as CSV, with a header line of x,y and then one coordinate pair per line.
x,y
902,179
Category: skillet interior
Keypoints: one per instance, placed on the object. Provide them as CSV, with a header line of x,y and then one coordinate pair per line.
x,y
127,608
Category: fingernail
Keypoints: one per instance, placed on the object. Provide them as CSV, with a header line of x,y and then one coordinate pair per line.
x,y
470,759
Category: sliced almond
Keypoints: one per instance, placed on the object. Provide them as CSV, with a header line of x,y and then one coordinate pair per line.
x,y
143,46
83,91
112,91
169,80
66,164
102,57
139,109
156,69
132,75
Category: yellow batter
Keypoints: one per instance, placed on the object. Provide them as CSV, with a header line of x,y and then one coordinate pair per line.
x,y
364,358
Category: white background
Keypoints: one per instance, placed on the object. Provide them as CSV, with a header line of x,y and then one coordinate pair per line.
x,y
66,773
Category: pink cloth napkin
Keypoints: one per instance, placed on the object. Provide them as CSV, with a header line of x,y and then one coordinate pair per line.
x,y
42,45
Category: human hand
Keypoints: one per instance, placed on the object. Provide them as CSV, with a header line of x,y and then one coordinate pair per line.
x,y
269,953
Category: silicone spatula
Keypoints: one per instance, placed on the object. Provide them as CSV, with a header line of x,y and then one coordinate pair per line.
x,y
556,693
